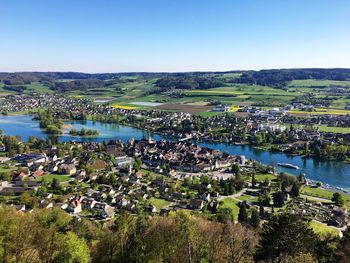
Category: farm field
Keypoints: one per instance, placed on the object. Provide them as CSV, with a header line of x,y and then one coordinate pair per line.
x,y
321,111
314,82
137,92
324,128
184,108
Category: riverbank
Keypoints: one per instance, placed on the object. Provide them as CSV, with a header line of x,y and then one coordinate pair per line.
x,y
329,172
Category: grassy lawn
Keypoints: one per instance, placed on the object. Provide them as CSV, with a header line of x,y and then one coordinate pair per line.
x,y
244,197
262,177
3,169
158,203
317,192
232,204
315,199
322,193
4,198
323,229
48,178
324,128
207,114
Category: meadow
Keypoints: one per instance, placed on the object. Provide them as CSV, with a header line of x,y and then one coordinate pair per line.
x,y
135,91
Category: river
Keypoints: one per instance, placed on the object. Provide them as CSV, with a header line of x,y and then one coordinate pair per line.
x,y
330,172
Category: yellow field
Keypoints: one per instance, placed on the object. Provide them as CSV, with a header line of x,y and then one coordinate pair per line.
x,y
124,107
235,108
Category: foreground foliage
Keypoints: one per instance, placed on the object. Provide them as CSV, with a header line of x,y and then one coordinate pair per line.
x,y
53,236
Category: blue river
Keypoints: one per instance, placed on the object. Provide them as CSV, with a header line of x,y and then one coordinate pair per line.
x,y
330,172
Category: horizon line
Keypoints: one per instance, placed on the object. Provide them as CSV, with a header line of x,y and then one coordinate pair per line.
x,y
169,72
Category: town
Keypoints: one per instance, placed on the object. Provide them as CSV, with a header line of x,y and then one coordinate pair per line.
x,y
273,129
175,131
99,180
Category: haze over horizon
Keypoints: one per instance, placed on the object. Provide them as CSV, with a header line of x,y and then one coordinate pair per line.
x,y
173,36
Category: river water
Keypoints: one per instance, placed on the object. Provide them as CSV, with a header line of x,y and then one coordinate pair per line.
x,y
330,172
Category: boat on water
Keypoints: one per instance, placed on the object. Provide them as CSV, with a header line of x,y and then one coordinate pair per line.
x,y
288,165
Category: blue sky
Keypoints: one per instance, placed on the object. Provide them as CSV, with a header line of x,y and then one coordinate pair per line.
x,y
177,35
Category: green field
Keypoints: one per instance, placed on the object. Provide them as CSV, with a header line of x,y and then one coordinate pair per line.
x,y
322,193
209,113
314,82
138,89
48,178
158,203
232,204
323,229
324,128
321,111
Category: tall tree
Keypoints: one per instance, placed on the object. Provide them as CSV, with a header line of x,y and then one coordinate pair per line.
x,y
254,220
243,214
295,190
338,199
285,235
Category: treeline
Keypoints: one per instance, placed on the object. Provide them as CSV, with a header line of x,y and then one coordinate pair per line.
x,y
279,77
185,80
83,132
311,99
20,78
188,83
84,84
54,236
24,78
50,122
17,88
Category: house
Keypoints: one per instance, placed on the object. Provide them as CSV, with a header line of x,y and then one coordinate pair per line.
x,y
104,209
37,174
133,180
75,206
80,175
69,169
30,159
124,162
121,200
221,107
339,218
17,188
196,204
130,207
206,197
45,204
52,167
2,148
172,172
151,209
213,206
139,175
20,208
88,203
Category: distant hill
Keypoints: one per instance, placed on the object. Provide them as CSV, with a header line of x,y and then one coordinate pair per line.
x,y
183,80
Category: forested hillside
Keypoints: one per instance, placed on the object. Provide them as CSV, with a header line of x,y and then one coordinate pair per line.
x,y
54,236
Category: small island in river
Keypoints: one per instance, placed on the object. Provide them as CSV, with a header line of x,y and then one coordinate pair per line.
x,y
84,132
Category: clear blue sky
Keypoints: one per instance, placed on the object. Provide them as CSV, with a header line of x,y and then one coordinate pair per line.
x,y
177,35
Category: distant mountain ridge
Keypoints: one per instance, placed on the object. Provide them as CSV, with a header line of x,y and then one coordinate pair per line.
x,y
266,77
